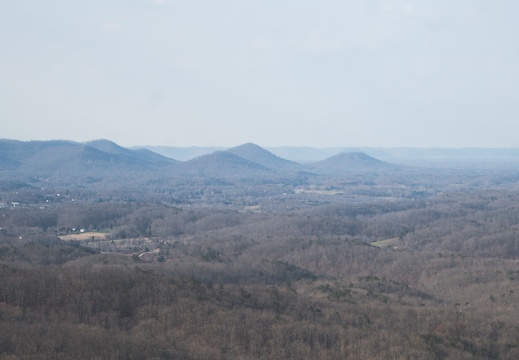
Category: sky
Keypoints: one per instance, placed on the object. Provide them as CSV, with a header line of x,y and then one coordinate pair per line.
x,y
366,73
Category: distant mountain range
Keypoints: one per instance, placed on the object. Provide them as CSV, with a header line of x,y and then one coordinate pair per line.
x,y
409,156
57,154
105,162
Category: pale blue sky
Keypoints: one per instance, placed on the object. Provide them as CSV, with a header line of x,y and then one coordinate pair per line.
x,y
439,73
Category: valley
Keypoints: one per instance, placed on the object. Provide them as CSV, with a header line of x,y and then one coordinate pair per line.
x,y
107,252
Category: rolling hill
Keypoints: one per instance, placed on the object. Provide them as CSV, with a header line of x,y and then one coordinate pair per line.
x,y
259,155
70,162
354,162
222,164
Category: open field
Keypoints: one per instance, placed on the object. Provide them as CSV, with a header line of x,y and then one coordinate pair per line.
x,y
385,243
318,192
84,236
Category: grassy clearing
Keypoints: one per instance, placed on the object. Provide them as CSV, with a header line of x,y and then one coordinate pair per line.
x,y
84,236
385,243
255,208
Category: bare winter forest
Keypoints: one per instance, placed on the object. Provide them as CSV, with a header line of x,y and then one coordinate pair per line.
x,y
110,253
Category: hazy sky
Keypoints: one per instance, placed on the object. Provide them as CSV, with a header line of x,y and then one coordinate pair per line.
x,y
442,73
